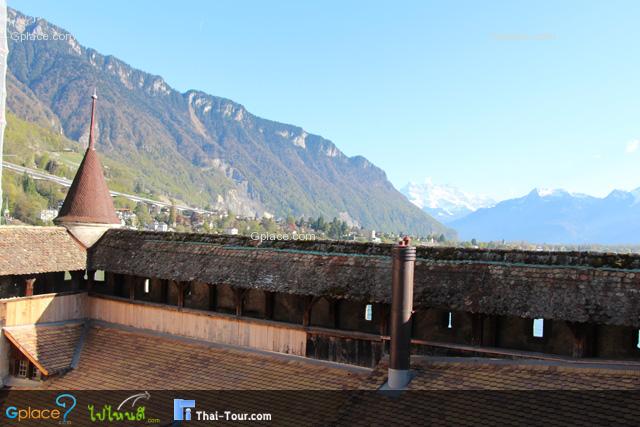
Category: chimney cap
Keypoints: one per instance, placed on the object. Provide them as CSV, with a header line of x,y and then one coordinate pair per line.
x,y
406,241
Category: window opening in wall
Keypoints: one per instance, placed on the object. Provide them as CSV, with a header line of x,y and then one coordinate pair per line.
x,y
23,368
67,276
538,328
450,320
638,343
146,286
99,276
368,312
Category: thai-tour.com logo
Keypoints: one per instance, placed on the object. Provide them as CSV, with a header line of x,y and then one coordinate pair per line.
x,y
58,412
185,410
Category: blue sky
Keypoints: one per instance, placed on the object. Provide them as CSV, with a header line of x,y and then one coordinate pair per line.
x,y
495,97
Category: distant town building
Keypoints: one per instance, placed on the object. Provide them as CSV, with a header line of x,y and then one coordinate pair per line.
x,y
160,226
233,231
126,214
47,215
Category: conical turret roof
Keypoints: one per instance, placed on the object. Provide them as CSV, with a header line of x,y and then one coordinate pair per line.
x,y
88,199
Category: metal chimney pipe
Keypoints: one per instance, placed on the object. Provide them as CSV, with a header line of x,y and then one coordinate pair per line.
x,y
404,259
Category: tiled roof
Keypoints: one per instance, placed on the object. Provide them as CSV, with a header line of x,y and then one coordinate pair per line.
x,y
122,359
564,287
208,259
29,250
493,374
497,393
88,199
49,347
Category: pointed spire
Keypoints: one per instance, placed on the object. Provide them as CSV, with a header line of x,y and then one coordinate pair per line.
x,y
94,98
88,199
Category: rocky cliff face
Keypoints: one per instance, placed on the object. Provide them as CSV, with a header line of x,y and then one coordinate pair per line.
x,y
193,146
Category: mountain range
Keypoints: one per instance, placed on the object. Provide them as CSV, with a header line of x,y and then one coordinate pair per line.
x,y
194,147
446,203
557,217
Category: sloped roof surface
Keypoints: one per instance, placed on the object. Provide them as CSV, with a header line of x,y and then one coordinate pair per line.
x,y
117,359
468,392
29,250
49,347
577,287
88,199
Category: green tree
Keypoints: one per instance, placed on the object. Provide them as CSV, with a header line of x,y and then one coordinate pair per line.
x,y
28,184
334,229
142,213
173,215
120,202
42,161
269,225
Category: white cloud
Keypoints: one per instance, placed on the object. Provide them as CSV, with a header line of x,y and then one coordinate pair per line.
x,y
632,146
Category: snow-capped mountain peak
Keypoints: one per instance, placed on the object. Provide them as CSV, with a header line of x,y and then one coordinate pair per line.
x,y
445,202
557,216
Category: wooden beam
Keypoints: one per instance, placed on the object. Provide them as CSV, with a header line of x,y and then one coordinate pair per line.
x,y
213,297
238,297
133,283
29,282
384,310
583,344
269,302
91,277
309,302
477,328
164,291
180,286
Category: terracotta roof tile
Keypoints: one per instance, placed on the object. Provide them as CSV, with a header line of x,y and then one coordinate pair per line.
x,y
88,199
50,347
334,270
490,374
117,359
29,250
497,392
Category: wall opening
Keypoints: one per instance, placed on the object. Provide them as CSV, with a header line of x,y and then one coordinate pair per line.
x,y
538,328
368,312
146,286
450,320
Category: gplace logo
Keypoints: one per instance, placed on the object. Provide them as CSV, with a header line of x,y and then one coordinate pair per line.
x,y
65,400
182,409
